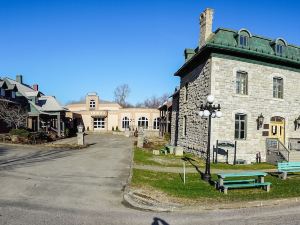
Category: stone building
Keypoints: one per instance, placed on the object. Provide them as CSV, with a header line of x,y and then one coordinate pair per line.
x,y
253,78
98,115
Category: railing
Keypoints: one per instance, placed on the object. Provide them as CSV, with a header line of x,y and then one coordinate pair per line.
x,y
273,145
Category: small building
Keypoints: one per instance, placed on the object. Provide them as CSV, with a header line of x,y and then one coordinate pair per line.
x,y
98,115
44,113
253,78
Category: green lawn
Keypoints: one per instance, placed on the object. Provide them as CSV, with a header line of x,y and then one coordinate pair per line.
x,y
145,157
195,188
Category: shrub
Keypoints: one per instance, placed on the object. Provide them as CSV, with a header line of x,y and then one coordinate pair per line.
x,y
19,132
117,128
113,128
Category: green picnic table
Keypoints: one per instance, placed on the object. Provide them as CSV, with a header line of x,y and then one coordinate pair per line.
x,y
234,180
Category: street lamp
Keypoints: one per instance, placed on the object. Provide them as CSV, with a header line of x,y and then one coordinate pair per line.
x,y
209,111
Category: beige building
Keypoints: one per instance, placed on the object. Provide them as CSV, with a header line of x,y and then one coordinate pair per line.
x,y
103,116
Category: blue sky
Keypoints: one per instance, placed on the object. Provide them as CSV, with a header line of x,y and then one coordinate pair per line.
x,y
72,47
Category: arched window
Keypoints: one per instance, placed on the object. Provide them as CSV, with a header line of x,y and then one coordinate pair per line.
x,y
125,122
156,123
279,46
143,122
243,37
92,104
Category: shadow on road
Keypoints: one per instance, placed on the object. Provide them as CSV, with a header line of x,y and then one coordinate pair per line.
x,y
158,221
33,157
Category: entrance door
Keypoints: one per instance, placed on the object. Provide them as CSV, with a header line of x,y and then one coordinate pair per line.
x,y
277,128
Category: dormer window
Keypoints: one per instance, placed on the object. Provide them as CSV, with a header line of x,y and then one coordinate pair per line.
x,y
243,40
92,104
243,37
279,46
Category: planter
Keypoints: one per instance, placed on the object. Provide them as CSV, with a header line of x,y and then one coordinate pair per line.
x,y
15,138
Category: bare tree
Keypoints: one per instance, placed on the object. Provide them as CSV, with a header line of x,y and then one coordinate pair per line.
x,y
12,114
155,102
121,94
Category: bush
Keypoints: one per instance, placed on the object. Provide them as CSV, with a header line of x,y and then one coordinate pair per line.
x,y
117,128
19,132
113,128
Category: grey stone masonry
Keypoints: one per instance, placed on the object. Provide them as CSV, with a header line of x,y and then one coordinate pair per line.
x,y
195,86
174,119
258,100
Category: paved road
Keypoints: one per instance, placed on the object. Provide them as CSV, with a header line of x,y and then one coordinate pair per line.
x,y
58,187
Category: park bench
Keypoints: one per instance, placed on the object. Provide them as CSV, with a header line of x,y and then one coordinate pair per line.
x,y
286,167
234,181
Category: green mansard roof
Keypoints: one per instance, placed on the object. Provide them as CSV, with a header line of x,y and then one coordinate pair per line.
x,y
226,42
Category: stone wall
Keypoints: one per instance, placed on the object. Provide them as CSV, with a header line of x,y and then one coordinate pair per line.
x,y
198,87
259,100
174,119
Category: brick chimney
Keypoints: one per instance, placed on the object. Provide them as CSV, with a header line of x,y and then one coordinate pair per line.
x,y
19,79
206,20
35,87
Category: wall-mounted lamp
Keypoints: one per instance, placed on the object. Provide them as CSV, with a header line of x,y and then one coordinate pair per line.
x,y
260,121
297,122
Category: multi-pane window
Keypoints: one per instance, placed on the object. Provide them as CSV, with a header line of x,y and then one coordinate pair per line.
x,y
241,83
156,123
99,122
125,122
143,122
2,92
279,49
186,92
243,40
92,104
184,125
240,126
277,87
13,94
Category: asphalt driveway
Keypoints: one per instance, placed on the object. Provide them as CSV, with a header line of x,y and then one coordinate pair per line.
x,y
70,187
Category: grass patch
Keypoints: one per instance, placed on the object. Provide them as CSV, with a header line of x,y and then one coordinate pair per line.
x,y
197,189
145,157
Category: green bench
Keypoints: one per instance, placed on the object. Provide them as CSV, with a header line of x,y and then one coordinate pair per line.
x,y
286,167
224,185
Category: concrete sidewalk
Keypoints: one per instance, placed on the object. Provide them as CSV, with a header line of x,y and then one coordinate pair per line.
x,y
190,169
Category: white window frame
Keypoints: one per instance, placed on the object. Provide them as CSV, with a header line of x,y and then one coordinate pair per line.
x,y
241,87
143,122
238,126
278,88
92,104
156,123
99,123
125,122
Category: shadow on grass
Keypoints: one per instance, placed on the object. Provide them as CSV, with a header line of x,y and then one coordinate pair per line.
x,y
31,158
192,162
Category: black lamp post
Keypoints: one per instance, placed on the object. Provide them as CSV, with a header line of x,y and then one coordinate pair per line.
x,y
209,111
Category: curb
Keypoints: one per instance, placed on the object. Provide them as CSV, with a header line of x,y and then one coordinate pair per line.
x,y
146,203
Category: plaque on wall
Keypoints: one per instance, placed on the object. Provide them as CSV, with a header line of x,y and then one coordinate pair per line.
x,y
265,133
266,126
